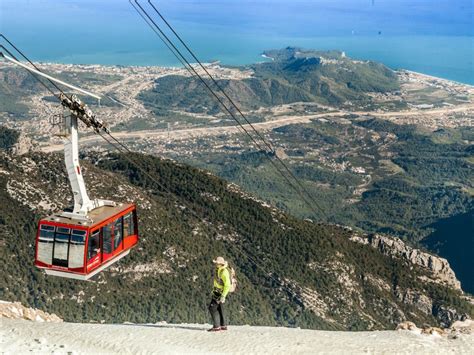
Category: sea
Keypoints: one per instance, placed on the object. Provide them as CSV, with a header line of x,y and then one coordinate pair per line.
x,y
435,37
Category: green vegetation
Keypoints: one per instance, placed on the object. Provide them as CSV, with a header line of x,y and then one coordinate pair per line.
x,y
294,76
8,137
184,224
414,178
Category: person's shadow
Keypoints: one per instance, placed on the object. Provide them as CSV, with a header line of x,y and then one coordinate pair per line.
x,y
169,326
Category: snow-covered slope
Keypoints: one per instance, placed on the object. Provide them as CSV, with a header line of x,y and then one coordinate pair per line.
x,y
28,330
21,336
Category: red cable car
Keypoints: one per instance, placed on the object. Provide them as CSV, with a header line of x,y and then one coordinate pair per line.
x,y
79,249
96,233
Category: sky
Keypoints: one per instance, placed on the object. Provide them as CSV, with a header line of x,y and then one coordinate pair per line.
x,y
280,17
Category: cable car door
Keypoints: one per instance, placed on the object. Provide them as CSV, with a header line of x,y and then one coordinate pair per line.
x,y
94,252
107,242
61,247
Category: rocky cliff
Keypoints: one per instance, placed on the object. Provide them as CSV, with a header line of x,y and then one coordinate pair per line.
x,y
437,267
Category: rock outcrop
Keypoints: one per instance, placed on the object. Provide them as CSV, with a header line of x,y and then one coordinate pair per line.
x,y
438,267
448,316
16,310
453,331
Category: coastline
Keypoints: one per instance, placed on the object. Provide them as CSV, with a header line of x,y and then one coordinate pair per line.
x,y
433,77
211,64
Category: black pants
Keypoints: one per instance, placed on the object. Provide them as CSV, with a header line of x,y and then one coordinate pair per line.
x,y
217,312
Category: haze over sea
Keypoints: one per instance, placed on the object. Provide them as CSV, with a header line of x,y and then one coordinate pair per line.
x,y
435,37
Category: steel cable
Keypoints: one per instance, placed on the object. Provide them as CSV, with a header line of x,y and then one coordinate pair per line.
x,y
237,108
181,57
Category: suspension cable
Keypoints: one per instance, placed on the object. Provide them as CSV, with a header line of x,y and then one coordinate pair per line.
x,y
177,53
235,106
180,56
33,74
28,60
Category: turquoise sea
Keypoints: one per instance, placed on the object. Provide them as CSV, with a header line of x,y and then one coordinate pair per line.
x,y
435,37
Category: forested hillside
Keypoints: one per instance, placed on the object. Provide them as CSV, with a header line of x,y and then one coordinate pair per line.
x,y
294,75
320,278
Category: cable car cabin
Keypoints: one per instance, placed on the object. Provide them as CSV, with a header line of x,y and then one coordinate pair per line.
x,y
80,249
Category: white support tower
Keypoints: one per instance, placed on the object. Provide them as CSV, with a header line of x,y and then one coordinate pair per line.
x,y
82,203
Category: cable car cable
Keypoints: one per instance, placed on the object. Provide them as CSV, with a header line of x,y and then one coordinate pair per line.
x,y
34,75
234,105
191,69
188,66
232,115
157,33
209,75
235,119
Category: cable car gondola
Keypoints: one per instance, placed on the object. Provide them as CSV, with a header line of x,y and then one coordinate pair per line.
x,y
96,233
79,249
80,243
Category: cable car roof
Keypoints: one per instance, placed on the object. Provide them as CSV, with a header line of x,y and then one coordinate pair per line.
x,y
96,216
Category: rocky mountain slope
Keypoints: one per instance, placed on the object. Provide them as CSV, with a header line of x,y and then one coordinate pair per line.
x,y
308,274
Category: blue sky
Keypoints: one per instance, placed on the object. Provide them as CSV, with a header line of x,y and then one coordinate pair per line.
x,y
283,17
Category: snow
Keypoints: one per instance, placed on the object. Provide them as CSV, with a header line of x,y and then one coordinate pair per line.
x,y
21,336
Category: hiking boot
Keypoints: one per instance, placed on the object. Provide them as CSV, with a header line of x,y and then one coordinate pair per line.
x,y
213,329
224,327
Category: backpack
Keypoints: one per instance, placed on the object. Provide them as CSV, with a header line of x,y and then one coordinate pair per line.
x,y
233,279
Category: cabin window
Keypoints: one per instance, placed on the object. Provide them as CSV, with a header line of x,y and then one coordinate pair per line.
x,y
118,233
45,244
107,239
132,226
61,244
93,247
128,225
76,248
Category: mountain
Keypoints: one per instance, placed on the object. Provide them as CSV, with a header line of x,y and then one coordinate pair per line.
x,y
309,274
294,75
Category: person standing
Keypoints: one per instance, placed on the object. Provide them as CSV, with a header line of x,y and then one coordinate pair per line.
x,y
222,285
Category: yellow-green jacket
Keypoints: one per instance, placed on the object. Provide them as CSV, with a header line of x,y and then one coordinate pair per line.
x,y
222,281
